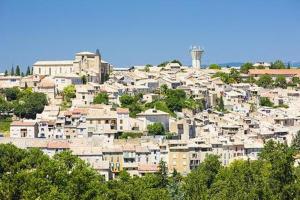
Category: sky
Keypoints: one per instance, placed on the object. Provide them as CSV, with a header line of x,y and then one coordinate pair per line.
x,y
138,32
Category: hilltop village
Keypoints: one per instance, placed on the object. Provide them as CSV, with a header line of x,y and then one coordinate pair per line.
x,y
130,119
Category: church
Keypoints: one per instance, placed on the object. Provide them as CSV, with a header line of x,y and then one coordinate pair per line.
x,y
85,63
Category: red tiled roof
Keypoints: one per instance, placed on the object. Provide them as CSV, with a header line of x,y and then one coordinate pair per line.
x,y
122,110
21,123
58,145
274,71
148,168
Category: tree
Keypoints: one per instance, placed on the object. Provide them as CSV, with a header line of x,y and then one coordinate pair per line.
x,y
22,74
220,104
18,73
214,66
30,104
265,101
28,71
156,128
83,79
176,61
12,93
162,174
163,64
175,99
199,181
12,71
6,73
163,89
280,81
295,80
147,68
265,81
101,98
278,64
69,92
282,178
296,142
245,67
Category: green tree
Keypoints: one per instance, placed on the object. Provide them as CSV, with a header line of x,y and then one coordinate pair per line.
x,y
30,104
282,178
245,67
220,104
163,89
69,92
199,181
296,142
156,129
12,93
28,71
146,68
12,71
278,64
18,72
6,73
265,81
101,98
162,174
175,99
280,81
176,61
83,79
214,66
265,101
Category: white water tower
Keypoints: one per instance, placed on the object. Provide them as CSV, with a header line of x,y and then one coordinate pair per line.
x,y
196,53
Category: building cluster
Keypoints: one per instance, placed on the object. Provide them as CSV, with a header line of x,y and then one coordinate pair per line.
x,y
93,131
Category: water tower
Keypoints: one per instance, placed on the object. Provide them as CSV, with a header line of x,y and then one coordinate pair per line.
x,y
196,53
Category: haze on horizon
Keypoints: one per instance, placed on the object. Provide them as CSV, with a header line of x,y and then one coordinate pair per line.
x,y
140,32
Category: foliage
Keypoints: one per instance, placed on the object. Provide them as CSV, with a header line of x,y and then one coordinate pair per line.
x,y
280,81
229,78
12,93
18,72
176,61
69,92
12,71
278,64
214,66
101,98
30,104
265,81
30,174
134,103
220,104
83,79
265,101
296,142
156,129
199,181
127,135
6,73
5,124
245,68
28,71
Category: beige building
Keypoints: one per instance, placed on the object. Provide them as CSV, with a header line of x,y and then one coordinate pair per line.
x,y
85,63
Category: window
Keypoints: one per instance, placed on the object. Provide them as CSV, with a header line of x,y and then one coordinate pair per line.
x,y
121,121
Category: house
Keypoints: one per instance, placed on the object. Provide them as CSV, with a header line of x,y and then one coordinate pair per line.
x,y
151,116
24,129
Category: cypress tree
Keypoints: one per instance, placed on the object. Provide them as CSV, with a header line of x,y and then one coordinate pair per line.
x,y
12,71
6,73
28,71
18,72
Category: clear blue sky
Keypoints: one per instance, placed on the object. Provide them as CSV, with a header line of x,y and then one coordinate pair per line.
x,y
135,32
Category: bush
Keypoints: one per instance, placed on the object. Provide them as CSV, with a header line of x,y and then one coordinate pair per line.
x,y
156,129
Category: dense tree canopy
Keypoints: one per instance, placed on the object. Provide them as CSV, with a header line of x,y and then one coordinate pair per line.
x,y
280,81
265,101
214,66
278,64
245,67
101,98
30,174
265,81
69,92
156,129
